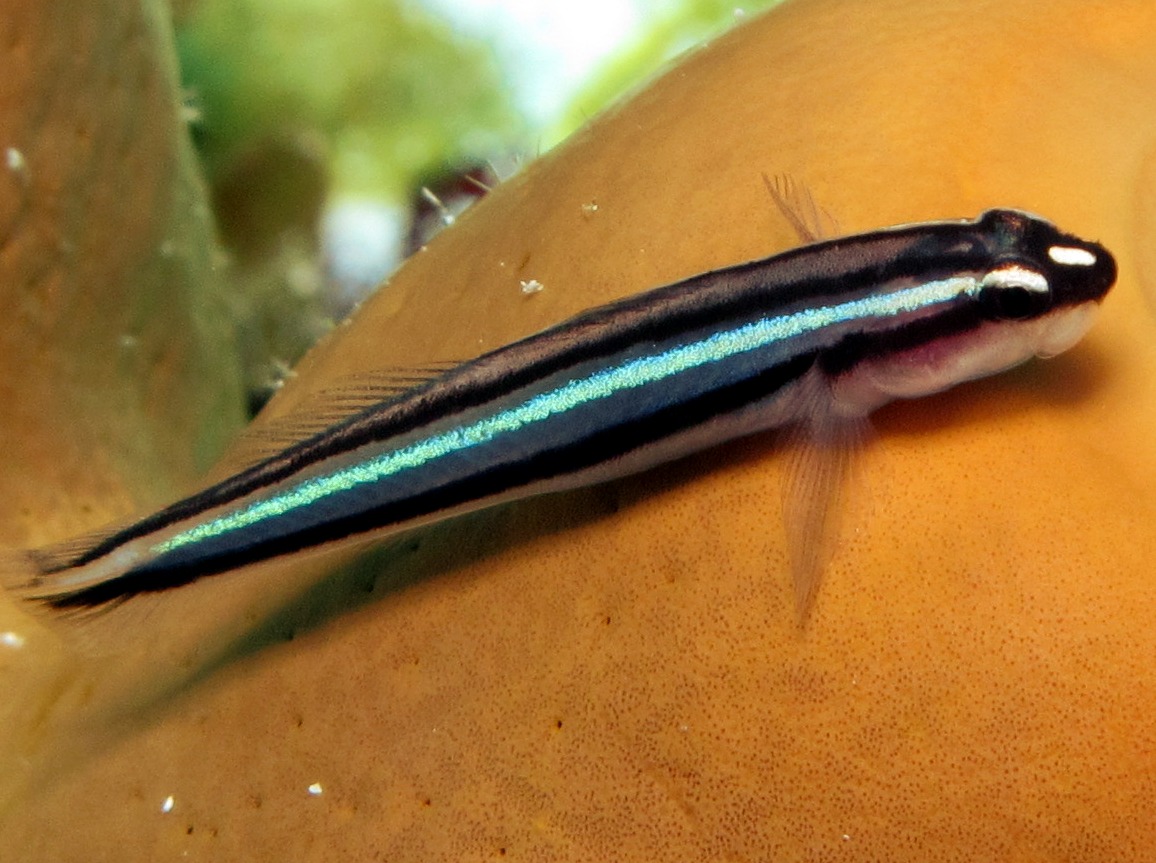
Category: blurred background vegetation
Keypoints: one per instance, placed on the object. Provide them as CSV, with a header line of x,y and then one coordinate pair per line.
x,y
338,135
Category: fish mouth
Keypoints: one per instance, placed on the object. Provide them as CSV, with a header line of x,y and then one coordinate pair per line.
x,y
988,349
1064,327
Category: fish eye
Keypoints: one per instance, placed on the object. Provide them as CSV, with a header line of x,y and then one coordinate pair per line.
x,y
1014,293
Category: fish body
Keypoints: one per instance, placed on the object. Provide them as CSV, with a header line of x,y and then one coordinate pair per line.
x,y
812,337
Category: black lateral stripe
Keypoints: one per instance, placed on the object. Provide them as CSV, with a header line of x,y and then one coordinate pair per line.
x,y
559,444
829,271
857,347
801,277
586,452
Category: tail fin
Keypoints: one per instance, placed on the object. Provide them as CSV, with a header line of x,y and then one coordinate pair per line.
x,y
24,584
53,575
28,579
20,575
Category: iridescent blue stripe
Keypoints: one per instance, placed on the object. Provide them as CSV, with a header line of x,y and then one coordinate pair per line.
x,y
629,375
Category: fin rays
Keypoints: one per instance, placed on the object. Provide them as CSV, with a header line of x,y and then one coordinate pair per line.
x,y
809,221
322,411
823,452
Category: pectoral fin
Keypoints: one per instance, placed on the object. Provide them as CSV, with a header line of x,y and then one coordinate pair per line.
x,y
816,495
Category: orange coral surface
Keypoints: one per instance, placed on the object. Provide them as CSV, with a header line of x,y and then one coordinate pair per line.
x,y
617,673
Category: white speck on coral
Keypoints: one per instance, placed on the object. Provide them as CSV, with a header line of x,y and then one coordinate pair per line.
x,y
532,286
167,805
15,160
315,789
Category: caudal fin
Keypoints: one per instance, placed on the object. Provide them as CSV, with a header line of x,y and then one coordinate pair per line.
x,y
23,583
19,574
27,578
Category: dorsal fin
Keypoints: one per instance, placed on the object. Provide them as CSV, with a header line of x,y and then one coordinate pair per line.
x,y
809,221
348,396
